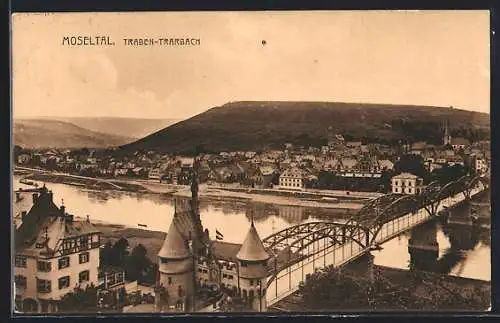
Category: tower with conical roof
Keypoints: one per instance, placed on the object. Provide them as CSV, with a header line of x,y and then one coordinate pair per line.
x,y
176,268
252,270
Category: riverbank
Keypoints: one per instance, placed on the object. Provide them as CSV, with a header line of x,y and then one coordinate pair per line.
x,y
421,288
151,240
313,199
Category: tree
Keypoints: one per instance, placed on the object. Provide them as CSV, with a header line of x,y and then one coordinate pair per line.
x,y
448,174
413,164
120,252
79,300
106,254
137,264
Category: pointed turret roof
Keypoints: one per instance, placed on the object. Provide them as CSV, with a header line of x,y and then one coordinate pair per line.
x,y
252,248
175,246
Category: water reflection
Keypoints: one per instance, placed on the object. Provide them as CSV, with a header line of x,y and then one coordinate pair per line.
x,y
464,255
459,249
232,218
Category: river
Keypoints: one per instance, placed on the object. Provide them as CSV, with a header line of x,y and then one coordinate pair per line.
x,y
232,219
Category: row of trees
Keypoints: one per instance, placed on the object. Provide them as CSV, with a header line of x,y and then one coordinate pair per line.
x,y
336,288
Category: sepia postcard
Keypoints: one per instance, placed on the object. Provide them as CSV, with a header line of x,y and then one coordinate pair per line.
x,y
279,161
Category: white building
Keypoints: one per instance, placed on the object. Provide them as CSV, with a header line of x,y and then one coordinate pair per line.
x,y
480,165
406,183
53,255
293,179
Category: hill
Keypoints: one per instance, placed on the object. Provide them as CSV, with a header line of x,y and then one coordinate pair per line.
x,y
124,127
45,133
256,125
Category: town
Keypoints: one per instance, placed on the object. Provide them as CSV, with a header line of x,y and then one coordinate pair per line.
x,y
111,278
340,165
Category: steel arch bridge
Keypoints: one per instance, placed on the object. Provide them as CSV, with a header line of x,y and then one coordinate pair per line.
x,y
287,246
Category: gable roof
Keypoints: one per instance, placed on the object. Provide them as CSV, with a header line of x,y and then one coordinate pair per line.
x,y
460,141
294,172
405,176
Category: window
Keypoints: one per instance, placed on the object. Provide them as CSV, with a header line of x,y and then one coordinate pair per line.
x,y
67,245
43,286
84,257
119,278
20,281
230,277
170,280
64,262
44,266
84,243
63,282
83,276
20,261
224,276
251,282
110,278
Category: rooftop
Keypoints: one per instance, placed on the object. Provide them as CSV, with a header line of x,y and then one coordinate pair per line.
x,y
294,172
459,141
406,176
45,225
225,250
175,246
252,248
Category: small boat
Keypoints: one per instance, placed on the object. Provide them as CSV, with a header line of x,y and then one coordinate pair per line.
x,y
142,225
76,184
27,182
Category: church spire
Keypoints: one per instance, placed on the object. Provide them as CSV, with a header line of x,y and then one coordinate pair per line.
x,y
194,186
446,135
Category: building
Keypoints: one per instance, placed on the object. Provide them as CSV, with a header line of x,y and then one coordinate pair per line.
x,y
459,143
155,174
189,260
53,254
252,268
406,183
176,269
480,165
293,179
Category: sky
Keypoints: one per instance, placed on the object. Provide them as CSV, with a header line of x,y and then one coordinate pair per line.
x,y
438,58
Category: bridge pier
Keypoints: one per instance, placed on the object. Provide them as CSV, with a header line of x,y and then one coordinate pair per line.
x,y
423,247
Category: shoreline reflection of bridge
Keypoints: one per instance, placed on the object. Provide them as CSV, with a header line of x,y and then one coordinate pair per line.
x,y
301,249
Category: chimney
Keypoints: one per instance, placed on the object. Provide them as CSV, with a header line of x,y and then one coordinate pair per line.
x,y
35,198
63,210
18,196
